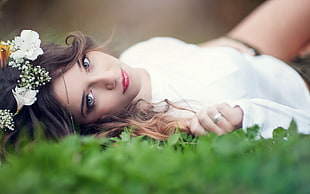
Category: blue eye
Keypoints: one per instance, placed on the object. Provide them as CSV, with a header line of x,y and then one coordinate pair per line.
x,y
85,62
90,101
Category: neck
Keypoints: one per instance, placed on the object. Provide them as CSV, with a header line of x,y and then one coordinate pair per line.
x,y
146,88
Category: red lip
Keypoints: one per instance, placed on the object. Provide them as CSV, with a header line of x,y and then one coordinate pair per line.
x,y
125,80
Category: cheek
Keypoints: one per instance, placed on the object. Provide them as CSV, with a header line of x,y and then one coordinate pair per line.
x,y
105,104
110,103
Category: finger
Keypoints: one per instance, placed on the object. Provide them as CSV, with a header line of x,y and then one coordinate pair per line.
x,y
244,49
205,117
196,128
233,115
241,46
220,120
226,126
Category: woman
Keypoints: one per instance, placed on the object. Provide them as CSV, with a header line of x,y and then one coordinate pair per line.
x,y
104,94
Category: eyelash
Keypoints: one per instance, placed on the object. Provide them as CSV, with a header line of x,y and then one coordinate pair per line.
x,y
90,101
86,63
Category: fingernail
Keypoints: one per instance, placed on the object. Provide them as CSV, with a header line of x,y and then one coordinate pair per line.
x,y
252,51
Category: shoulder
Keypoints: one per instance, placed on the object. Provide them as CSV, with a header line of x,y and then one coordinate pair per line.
x,y
157,43
157,50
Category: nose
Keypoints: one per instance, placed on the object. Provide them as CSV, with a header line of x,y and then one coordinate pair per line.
x,y
105,79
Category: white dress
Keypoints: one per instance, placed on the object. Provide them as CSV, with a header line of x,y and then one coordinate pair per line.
x,y
269,92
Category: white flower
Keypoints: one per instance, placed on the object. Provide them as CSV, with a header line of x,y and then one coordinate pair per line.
x,y
6,120
28,45
24,96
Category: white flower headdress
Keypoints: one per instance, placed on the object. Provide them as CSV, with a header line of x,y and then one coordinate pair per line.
x,y
20,52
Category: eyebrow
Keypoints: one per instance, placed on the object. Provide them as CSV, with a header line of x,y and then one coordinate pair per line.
x,y
82,104
79,63
83,95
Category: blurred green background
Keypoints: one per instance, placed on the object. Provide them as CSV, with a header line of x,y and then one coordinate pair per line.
x,y
131,20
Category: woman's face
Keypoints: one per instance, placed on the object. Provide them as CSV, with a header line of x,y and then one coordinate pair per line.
x,y
97,85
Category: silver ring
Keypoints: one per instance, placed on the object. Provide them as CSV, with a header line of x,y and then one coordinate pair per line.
x,y
217,117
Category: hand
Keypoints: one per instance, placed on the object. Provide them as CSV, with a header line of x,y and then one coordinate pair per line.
x,y
209,119
305,50
224,41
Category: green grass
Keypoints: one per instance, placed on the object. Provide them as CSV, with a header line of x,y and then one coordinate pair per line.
x,y
235,163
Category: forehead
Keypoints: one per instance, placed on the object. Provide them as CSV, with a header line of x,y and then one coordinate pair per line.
x,y
68,88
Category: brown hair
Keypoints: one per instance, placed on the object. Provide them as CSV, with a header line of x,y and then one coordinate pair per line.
x,y
144,118
45,116
53,121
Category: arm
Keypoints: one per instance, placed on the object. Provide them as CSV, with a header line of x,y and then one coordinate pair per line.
x,y
278,27
269,115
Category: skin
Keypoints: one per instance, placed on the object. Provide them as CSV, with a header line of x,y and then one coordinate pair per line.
x,y
281,29
99,78
203,122
103,79
271,37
